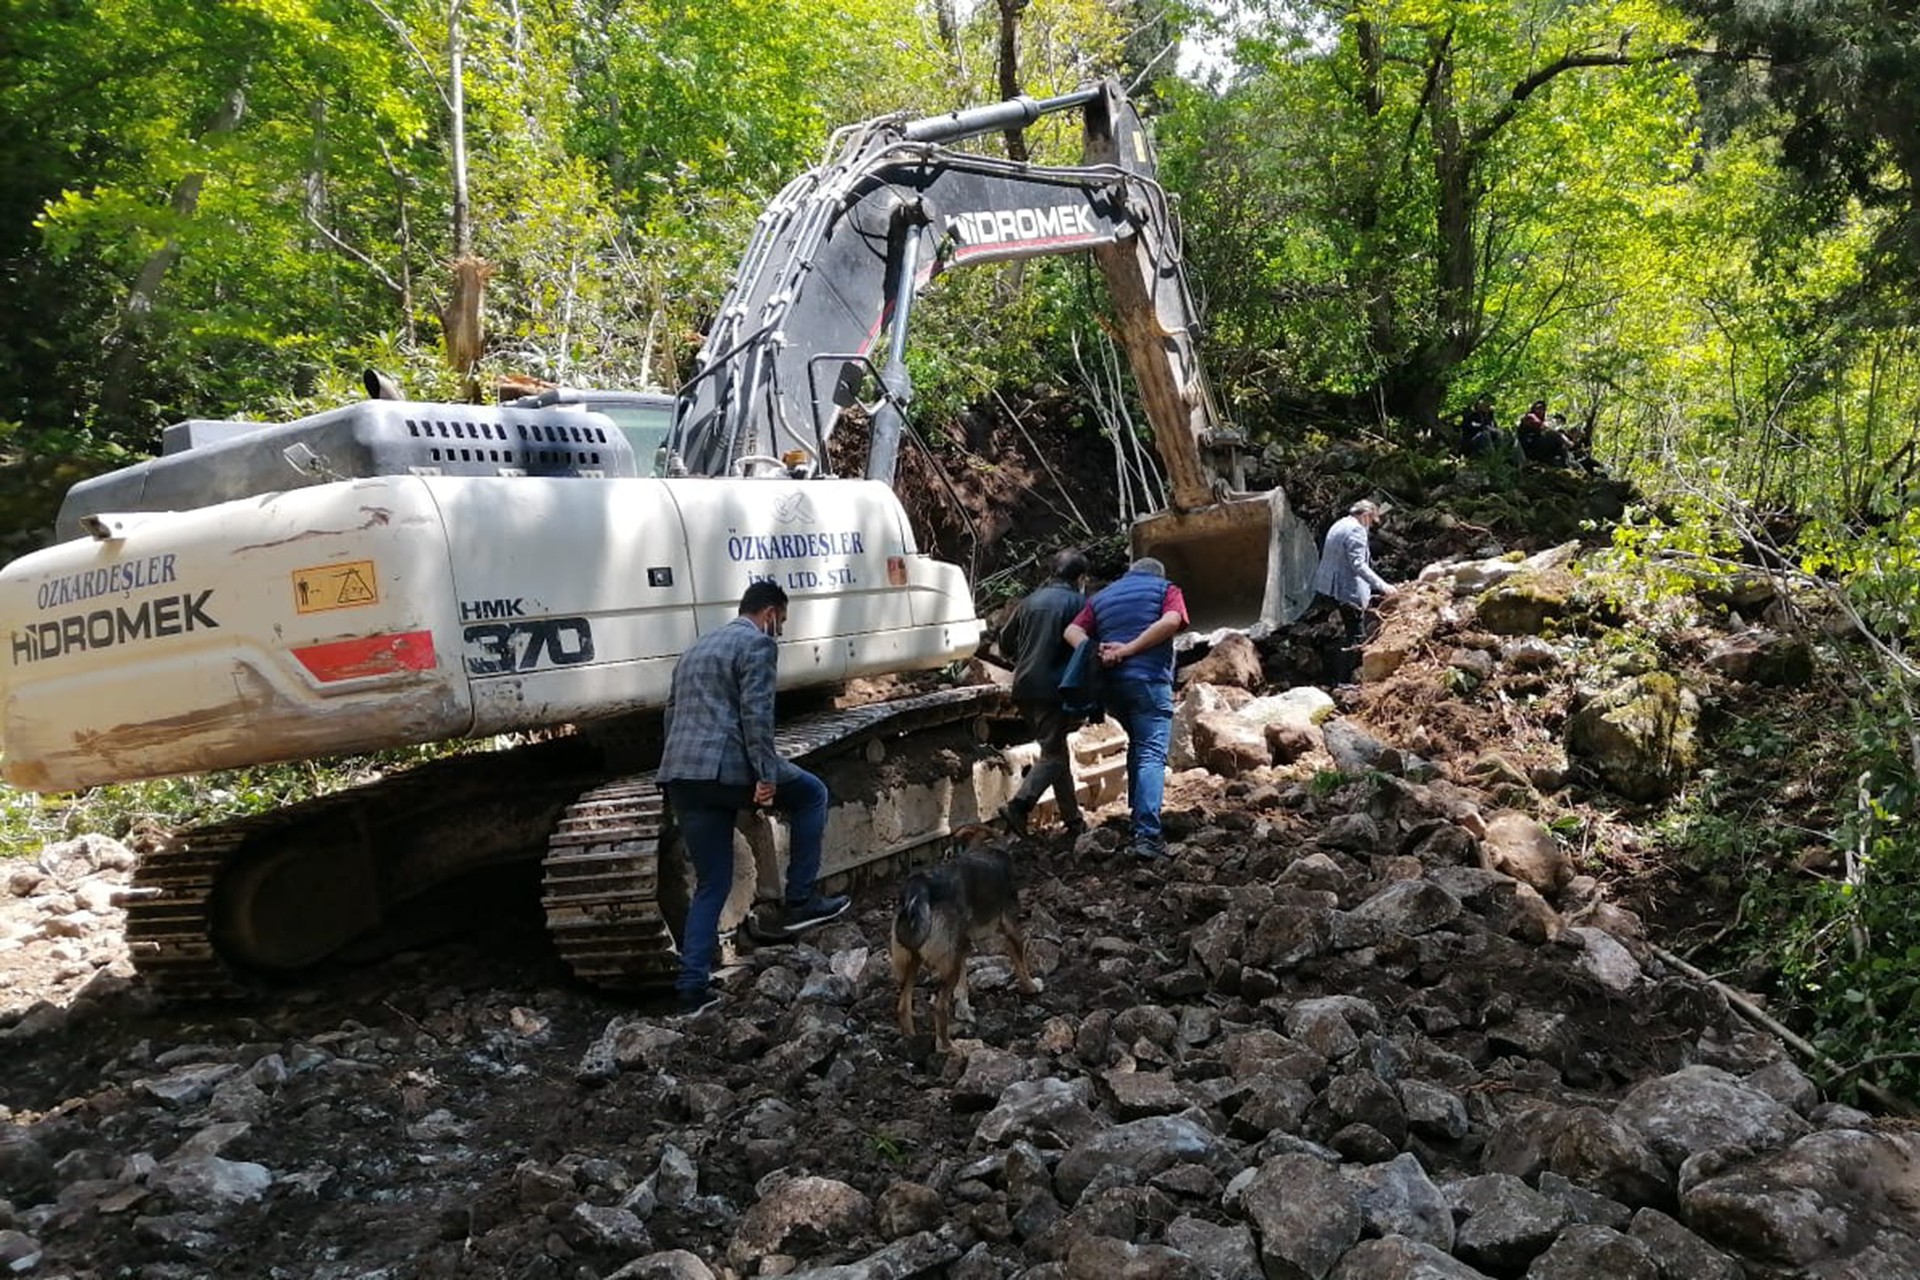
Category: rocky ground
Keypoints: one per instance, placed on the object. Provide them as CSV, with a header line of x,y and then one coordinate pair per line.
x,y
1377,1019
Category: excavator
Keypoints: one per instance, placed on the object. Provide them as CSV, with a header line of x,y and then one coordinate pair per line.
x,y
395,572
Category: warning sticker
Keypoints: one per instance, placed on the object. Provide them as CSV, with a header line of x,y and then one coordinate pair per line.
x,y
335,586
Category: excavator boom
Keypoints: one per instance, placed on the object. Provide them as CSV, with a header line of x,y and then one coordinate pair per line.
x,y
841,253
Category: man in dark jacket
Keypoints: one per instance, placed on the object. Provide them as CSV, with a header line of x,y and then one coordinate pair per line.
x,y
718,759
1134,620
1035,639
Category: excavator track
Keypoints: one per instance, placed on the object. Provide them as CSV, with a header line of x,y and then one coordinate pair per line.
x,y
193,936
175,917
169,916
605,871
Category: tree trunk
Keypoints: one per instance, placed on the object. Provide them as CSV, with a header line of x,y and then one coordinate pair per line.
x,y
1383,326
1010,11
457,132
463,319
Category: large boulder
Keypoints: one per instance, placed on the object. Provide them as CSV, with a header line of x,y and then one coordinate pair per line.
x,y
1523,848
799,1216
1701,1108
1233,660
1228,745
1305,1215
1639,735
1524,604
1845,1194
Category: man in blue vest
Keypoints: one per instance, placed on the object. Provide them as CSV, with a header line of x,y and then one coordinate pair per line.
x,y
1034,638
1134,620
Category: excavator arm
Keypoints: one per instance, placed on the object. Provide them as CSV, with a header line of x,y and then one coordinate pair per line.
x,y
821,307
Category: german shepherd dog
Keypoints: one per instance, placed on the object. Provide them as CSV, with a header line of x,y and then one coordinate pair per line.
x,y
942,912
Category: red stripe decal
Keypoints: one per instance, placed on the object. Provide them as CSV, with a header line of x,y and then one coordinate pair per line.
x,y
369,656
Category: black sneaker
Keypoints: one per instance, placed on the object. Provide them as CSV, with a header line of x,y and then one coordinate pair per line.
x,y
1015,816
1148,849
816,911
692,1002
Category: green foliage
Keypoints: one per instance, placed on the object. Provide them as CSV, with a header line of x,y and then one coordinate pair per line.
x,y
1847,944
29,821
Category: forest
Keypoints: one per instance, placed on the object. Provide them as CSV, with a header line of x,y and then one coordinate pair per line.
x,y
1692,227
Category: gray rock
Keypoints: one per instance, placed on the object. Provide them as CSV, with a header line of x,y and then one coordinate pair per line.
x,y
19,1252
1272,1104
824,987
1699,1108
1589,1208
1507,1223
1787,1085
1405,907
1398,1199
1529,653
987,1074
1397,1258
907,1208
1140,1149
1360,1097
611,1228
1521,847
1605,960
188,1085
1051,1112
1594,1253
1305,1215
1639,735
677,1179
203,1182
1827,1198
1521,1140
1678,1253
1433,1112
1105,1258
1838,1115
1762,657
26,1170
1222,1252
1144,1093
920,1255
1596,1151
68,862
1353,749
1353,832
797,1213
673,1264
1155,1024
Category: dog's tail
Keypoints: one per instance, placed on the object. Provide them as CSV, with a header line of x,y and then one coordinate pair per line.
x,y
913,918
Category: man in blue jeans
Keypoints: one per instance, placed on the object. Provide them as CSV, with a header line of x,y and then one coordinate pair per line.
x,y
718,759
1134,620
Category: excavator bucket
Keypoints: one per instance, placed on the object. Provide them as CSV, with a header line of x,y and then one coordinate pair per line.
x,y
1245,562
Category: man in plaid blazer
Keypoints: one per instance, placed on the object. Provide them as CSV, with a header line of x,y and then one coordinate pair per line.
x,y
719,758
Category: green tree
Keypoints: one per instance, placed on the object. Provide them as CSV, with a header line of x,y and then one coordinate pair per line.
x,y
1400,189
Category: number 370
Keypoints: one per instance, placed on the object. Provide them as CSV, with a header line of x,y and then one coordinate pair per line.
x,y
497,648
